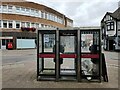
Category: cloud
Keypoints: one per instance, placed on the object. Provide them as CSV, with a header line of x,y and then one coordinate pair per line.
x,y
83,12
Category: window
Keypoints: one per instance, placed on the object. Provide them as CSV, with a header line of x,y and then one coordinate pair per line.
x,y
36,12
50,17
27,24
56,18
17,24
53,17
32,12
0,9
23,10
3,42
4,24
118,26
45,15
42,25
10,24
27,10
107,17
10,8
4,8
110,26
32,24
42,15
23,24
37,25
18,9
0,24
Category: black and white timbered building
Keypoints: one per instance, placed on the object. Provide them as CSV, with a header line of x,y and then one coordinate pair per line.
x,y
110,25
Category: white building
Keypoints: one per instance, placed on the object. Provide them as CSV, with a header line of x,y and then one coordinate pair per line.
x,y
110,25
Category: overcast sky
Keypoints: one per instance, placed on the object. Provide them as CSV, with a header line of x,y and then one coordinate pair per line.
x,y
82,12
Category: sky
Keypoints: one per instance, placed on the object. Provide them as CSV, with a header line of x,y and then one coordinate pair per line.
x,y
82,12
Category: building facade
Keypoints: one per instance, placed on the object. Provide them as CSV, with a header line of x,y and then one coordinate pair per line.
x,y
19,22
110,26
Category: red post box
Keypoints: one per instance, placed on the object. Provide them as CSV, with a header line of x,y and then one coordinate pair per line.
x,y
10,45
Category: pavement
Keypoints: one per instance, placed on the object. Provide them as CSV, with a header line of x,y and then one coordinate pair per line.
x,y
22,74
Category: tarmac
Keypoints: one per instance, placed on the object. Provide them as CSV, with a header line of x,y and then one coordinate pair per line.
x,y
23,74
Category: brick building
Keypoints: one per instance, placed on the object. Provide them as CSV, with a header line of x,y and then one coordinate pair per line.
x,y
20,20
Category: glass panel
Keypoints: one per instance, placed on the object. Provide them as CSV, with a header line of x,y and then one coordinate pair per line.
x,y
67,46
86,42
87,66
49,42
68,42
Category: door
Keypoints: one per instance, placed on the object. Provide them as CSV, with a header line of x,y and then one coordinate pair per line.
x,y
3,44
110,44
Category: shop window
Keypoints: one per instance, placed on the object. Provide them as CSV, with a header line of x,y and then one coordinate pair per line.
x,y
17,24
110,26
10,24
10,8
4,24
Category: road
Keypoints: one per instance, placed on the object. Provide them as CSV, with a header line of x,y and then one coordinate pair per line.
x,y
13,56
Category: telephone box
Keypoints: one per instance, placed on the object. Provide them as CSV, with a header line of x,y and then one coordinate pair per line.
x,y
90,55
69,54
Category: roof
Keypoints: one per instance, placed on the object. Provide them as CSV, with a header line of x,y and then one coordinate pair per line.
x,y
116,14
